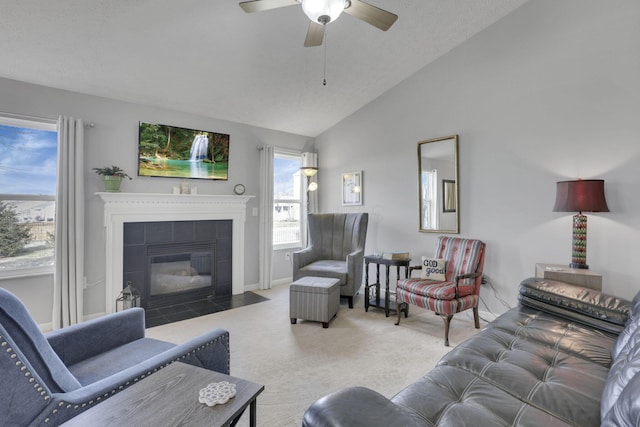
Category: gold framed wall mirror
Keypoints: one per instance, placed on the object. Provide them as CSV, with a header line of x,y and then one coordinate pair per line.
x,y
438,193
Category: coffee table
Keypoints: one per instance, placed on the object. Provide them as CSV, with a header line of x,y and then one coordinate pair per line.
x,y
169,397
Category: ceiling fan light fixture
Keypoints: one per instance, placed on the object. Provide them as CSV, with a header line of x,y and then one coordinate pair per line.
x,y
323,11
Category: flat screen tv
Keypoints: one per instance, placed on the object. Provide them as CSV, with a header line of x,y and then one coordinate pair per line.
x,y
174,152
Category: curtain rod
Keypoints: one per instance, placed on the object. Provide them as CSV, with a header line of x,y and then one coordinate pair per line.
x,y
26,117
47,120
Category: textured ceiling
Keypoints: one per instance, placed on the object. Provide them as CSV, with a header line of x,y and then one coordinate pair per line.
x,y
208,57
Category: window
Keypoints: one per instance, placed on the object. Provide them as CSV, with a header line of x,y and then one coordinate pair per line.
x,y
287,200
27,196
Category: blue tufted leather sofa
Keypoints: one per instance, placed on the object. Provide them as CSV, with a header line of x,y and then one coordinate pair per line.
x,y
46,380
566,356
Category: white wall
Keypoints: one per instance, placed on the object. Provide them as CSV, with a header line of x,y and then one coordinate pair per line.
x,y
114,140
549,93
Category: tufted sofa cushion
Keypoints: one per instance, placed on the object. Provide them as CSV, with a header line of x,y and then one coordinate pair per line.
x,y
524,364
545,362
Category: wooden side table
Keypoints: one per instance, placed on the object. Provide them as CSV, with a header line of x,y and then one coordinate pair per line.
x,y
169,397
370,300
575,276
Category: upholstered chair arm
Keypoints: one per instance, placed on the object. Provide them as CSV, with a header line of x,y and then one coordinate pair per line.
x,y
78,342
465,277
302,258
355,268
413,268
210,351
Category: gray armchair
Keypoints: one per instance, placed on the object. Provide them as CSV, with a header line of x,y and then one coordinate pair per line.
x,y
335,249
49,379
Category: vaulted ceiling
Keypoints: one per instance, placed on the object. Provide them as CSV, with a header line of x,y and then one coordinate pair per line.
x,y
208,57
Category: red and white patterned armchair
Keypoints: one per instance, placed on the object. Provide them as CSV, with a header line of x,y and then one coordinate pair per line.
x,y
460,289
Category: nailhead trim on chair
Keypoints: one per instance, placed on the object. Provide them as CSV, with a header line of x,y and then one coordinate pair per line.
x,y
22,367
128,383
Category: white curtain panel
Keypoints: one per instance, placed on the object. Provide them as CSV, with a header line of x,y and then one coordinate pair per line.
x,y
266,215
69,247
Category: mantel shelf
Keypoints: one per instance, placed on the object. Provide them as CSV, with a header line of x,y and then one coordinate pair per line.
x,y
155,198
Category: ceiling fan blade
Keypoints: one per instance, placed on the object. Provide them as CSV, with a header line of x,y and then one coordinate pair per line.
x,y
262,5
375,16
315,35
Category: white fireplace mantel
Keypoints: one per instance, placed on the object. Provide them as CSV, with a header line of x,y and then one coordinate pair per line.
x,y
120,208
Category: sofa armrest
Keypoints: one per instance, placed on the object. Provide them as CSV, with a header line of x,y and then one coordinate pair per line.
x,y
357,407
588,306
78,342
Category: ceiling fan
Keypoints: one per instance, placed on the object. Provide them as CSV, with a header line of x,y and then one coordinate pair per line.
x,y
321,12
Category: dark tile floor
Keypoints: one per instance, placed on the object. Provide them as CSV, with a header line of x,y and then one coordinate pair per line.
x,y
175,313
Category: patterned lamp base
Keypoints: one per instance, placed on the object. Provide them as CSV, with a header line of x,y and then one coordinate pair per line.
x,y
579,249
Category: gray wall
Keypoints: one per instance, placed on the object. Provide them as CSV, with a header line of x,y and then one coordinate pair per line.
x,y
114,140
551,92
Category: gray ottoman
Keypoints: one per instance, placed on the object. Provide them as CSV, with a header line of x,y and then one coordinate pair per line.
x,y
314,298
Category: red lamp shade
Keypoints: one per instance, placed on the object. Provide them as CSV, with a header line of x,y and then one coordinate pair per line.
x,y
580,196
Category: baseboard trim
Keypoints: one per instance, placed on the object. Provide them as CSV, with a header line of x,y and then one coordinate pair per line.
x,y
285,281
251,287
276,282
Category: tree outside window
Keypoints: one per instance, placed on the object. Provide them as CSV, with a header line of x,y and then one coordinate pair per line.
x,y
28,179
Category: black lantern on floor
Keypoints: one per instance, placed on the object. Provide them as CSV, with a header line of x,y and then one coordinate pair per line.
x,y
128,298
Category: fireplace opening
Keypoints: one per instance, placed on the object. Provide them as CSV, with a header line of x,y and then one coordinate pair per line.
x,y
177,262
180,272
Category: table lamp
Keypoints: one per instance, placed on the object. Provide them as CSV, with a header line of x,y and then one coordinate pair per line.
x,y
580,196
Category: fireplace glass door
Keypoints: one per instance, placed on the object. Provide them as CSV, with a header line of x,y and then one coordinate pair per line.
x,y
180,273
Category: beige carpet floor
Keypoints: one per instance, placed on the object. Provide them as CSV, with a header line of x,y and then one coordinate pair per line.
x,y
300,363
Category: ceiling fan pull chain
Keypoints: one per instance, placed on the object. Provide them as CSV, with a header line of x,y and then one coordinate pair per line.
x,y
324,75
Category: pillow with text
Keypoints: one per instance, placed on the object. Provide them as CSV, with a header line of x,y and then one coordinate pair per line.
x,y
433,269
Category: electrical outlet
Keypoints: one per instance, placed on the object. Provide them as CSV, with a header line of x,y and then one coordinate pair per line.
x,y
287,256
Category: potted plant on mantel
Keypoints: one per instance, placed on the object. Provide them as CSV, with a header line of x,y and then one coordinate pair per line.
x,y
112,177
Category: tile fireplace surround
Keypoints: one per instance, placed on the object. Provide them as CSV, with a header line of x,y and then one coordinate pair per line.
x,y
121,208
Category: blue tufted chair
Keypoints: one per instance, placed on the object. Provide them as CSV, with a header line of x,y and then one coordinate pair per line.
x,y
459,291
48,379
335,250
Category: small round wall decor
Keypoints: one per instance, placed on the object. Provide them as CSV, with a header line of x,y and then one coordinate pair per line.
x,y
239,189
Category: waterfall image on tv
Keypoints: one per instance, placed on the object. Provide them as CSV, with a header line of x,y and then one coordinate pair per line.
x,y
174,152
